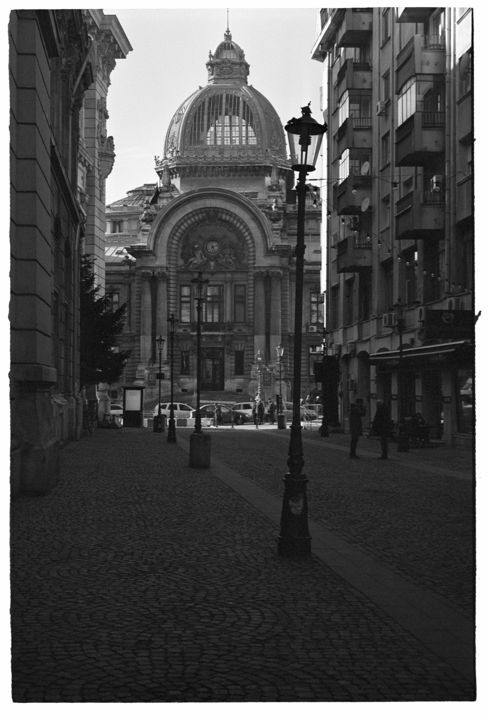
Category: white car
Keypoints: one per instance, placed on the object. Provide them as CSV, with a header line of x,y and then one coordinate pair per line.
x,y
181,410
245,408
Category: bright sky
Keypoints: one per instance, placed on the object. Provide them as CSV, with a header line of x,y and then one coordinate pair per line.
x,y
167,64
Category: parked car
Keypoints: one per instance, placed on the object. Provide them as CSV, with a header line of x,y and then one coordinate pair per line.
x,y
228,413
181,410
245,408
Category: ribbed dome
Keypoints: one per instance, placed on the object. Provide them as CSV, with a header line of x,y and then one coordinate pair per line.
x,y
227,120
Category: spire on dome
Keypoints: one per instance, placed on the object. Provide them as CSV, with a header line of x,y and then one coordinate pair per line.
x,y
228,63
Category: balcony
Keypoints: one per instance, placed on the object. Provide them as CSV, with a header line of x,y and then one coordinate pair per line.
x,y
353,75
350,196
420,138
422,55
414,14
355,132
356,28
354,254
420,214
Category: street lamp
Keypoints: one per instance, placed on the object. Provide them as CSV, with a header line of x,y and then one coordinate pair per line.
x,y
402,430
305,137
324,428
172,424
158,423
199,442
280,414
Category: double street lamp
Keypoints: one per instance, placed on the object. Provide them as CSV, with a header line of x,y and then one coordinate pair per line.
x,y
199,442
158,421
172,425
305,138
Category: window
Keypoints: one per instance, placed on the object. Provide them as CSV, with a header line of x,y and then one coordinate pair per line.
x,y
344,166
348,302
386,86
316,308
239,362
117,226
185,303
239,303
314,356
385,25
185,362
465,73
385,149
406,103
387,285
214,305
360,110
113,297
343,108
334,307
223,119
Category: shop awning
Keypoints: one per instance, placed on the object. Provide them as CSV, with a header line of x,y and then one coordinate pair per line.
x,y
442,350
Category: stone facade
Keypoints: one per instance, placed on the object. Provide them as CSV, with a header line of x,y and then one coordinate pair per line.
x,y
223,205
51,68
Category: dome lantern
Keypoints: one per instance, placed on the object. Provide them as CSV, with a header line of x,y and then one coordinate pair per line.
x,y
228,63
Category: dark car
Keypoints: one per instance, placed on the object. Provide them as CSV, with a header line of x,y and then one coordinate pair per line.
x,y
228,414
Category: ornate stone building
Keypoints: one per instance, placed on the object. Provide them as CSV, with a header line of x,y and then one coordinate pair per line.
x,y
223,205
59,66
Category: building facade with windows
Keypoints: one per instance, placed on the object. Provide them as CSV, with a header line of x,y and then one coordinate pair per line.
x,y
57,57
223,204
399,220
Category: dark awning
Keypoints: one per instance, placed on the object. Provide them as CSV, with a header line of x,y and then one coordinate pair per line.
x,y
443,350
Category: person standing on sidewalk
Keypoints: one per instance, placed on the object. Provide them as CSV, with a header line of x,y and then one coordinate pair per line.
x,y
382,426
356,414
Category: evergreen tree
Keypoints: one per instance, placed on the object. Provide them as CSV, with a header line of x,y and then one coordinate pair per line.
x,y
99,328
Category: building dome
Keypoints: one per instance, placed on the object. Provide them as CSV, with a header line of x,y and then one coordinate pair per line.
x,y
227,122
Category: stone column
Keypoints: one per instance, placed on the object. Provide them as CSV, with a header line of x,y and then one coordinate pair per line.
x,y
162,311
275,334
259,313
145,317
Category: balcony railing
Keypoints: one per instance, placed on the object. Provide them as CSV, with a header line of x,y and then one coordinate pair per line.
x,y
433,118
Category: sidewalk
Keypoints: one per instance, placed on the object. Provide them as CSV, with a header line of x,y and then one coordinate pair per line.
x,y
139,579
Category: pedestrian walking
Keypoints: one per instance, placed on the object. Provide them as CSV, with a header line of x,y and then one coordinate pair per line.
x,y
382,426
356,414
271,412
217,415
255,416
260,412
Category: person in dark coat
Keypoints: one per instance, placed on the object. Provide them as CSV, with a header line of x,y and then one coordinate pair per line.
x,y
260,412
355,425
382,427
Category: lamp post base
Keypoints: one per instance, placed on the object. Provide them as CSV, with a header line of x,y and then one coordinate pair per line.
x,y
199,450
158,424
171,430
294,540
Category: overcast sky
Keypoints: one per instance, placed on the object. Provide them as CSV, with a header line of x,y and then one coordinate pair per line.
x,y
167,64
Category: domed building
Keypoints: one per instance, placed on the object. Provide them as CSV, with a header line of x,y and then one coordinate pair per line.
x,y
223,206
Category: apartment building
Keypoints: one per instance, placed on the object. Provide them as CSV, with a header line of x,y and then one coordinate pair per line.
x,y
398,223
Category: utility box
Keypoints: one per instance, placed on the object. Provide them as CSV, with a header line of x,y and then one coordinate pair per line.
x,y
133,406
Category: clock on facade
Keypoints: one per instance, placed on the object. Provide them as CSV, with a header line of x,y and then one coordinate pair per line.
x,y
212,247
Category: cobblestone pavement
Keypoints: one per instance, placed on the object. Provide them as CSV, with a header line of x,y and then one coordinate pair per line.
x,y
139,579
414,512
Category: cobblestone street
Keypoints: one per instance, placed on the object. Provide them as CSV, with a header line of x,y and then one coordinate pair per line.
x,y
139,579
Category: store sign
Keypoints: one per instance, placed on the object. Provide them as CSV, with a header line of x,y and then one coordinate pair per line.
x,y
448,324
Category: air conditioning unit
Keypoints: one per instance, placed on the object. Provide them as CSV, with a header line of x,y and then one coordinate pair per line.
x,y
389,319
436,183
312,328
380,107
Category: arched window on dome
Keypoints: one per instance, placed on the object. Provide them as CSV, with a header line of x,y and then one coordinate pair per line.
x,y
224,119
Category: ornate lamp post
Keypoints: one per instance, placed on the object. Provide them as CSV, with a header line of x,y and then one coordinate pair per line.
x,y
280,414
199,442
158,423
172,424
324,428
305,137
402,430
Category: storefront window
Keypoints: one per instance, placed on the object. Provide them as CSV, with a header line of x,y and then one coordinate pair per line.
x,y
465,399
